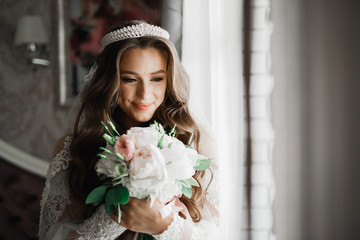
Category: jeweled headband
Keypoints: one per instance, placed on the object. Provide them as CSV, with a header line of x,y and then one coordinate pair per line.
x,y
134,31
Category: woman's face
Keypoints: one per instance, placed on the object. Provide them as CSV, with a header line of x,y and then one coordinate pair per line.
x,y
142,84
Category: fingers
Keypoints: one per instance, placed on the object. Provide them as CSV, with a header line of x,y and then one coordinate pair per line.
x,y
137,215
115,217
138,205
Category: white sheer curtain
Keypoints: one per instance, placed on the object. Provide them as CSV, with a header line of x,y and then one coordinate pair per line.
x,y
212,55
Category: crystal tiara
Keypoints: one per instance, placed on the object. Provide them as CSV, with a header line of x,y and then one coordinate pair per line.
x,y
134,31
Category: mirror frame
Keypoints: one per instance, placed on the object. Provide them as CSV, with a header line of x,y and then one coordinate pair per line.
x,y
64,97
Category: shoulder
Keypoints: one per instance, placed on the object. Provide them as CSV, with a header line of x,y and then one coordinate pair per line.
x,y
62,143
62,156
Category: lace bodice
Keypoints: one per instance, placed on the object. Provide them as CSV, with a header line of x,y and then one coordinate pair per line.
x,y
55,225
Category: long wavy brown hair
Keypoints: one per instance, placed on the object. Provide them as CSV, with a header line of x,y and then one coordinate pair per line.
x,y
99,102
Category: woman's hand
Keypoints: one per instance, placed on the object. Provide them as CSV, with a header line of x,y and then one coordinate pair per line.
x,y
138,216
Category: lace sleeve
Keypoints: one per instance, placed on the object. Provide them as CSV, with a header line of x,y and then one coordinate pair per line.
x,y
54,224
99,226
208,227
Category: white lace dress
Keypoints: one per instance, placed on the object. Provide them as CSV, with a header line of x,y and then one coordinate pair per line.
x,y
56,226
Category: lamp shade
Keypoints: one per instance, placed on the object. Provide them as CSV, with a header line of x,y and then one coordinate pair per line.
x,y
30,29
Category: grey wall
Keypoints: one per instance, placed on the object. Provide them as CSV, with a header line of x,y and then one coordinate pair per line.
x,y
29,118
316,106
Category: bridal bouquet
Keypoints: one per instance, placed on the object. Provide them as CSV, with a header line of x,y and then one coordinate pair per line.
x,y
144,163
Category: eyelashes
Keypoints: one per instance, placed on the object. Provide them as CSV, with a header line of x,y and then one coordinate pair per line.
x,y
158,79
130,80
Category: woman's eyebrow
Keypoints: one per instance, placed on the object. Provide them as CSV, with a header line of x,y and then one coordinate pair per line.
x,y
159,71
128,72
134,73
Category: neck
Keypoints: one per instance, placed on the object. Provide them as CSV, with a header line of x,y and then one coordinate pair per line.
x,y
125,123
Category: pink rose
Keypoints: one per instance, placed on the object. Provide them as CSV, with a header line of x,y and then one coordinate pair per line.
x,y
125,146
144,136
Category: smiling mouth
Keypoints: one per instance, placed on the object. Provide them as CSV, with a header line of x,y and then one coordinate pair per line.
x,y
143,106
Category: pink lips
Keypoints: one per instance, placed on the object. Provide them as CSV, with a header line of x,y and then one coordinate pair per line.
x,y
143,106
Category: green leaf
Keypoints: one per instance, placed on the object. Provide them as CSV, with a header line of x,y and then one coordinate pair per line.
x,y
160,141
101,155
121,169
158,127
172,131
193,182
185,183
113,127
201,157
161,128
202,164
117,194
118,178
189,182
106,150
96,196
109,139
110,209
119,213
186,191
107,129
118,155
145,236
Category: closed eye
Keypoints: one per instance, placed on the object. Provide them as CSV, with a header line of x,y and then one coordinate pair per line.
x,y
128,80
158,79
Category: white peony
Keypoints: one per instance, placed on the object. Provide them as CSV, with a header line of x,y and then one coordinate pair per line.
x,y
147,171
180,161
169,191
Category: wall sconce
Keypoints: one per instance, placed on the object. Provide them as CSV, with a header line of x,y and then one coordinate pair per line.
x,y
30,31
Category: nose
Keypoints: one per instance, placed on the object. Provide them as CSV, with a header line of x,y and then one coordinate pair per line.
x,y
143,90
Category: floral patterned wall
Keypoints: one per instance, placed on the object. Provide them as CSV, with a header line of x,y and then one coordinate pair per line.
x,y
29,116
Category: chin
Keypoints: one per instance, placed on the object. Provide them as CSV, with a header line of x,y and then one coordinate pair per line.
x,y
144,119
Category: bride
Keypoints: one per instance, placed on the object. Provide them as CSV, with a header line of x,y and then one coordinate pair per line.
x,y
137,79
